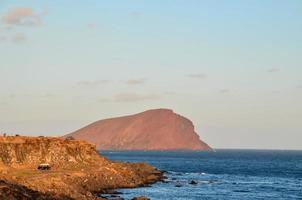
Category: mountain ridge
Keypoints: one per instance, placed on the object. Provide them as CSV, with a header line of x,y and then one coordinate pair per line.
x,y
156,129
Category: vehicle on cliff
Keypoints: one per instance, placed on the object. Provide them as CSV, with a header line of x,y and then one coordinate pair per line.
x,y
44,166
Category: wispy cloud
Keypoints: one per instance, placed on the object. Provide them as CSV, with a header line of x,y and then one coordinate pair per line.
x,y
93,83
276,91
136,14
169,93
105,100
224,91
2,38
196,76
12,96
19,38
92,25
23,16
49,95
136,81
6,28
273,70
133,97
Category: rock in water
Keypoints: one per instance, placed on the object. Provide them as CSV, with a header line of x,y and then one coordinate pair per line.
x,y
159,129
193,182
140,198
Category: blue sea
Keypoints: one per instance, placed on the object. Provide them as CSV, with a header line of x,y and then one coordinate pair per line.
x,y
223,174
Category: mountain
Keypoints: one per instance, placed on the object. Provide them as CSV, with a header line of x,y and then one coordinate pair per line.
x,y
158,129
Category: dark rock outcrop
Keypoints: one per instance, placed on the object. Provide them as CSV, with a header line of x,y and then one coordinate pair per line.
x,y
193,182
140,198
11,191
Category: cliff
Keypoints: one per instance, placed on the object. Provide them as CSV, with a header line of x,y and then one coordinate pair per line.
x,y
159,129
31,151
77,170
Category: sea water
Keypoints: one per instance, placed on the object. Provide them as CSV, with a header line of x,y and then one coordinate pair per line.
x,y
223,174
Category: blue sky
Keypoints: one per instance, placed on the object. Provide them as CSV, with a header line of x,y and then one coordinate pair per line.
x,y
232,67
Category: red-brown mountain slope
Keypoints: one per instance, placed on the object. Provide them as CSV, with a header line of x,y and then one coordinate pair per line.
x,y
159,129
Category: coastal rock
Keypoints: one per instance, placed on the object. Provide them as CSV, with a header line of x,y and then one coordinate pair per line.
x,y
193,182
159,129
11,191
58,152
140,198
77,172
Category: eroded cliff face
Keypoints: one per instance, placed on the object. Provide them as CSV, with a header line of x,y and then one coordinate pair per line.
x,y
77,169
59,152
159,129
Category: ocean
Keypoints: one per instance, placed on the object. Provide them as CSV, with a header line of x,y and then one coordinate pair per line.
x,y
223,174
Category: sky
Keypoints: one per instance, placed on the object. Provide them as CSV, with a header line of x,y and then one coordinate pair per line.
x,y
232,67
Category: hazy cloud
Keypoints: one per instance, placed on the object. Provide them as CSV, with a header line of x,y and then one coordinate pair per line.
x,y
3,103
48,95
197,76
12,96
19,38
224,91
24,95
93,83
136,81
273,70
105,100
92,25
136,14
6,28
24,16
132,97
276,91
169,93
2,38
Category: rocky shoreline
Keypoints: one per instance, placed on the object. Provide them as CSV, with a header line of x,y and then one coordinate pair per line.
x,y
77,170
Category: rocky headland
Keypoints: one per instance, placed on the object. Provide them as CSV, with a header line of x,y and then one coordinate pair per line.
x,y
77,170
158,129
